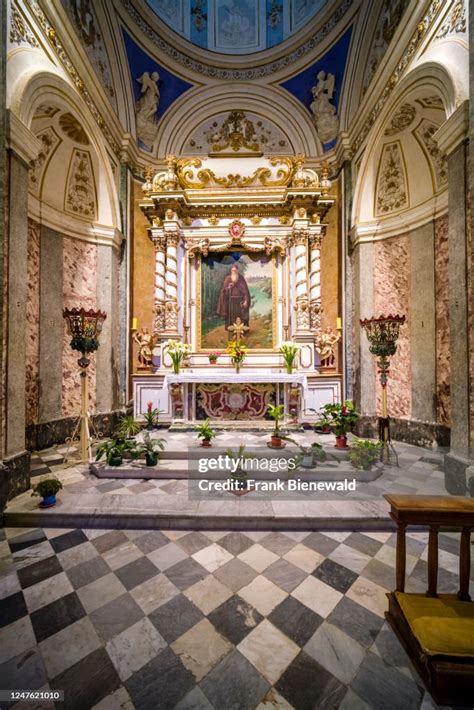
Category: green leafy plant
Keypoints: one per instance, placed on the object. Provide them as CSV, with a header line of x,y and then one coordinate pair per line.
x,y
340,417
205,431
114,450
275,411
47,487
151,446
128,427
314,451
240,456
364,453
152,415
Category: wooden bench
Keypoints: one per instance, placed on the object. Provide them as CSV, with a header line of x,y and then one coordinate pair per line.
x,y
436,630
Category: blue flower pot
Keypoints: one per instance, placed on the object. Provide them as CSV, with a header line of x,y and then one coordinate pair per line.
x,y
48,501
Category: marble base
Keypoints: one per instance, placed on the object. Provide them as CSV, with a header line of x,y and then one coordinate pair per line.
x,y
47,434
426,434
14,477
459,475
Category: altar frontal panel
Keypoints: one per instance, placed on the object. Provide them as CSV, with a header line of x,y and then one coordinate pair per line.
x,y
236,284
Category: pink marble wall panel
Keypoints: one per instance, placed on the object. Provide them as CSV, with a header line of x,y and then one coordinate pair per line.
x,y
443,403
32,322
79,289
392,295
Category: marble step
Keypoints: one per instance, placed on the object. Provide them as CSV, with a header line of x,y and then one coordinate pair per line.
x,y
147,512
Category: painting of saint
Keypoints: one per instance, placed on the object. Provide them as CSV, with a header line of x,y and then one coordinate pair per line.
x,y
236,285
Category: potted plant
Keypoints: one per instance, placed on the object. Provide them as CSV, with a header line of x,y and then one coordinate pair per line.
x,y
309,454
240,474
152,416
276,413
47,489
213,358
341,418
364,453
151,448
128,427
237,352
206,433
114,450
177,351
289,351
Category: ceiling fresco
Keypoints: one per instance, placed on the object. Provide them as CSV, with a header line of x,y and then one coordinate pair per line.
x,y
236,26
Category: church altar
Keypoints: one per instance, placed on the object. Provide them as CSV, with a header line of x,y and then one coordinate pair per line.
x,y
237,248
203,394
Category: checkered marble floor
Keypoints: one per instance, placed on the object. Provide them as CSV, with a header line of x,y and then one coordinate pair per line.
x,y
222,620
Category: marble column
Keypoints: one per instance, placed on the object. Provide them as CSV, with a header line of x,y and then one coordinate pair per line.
x,y
160,282
171,284
23,146
315,280
363,307
51,325
451,138
300,241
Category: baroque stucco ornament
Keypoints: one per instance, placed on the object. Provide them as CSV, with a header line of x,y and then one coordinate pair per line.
x,y
146,107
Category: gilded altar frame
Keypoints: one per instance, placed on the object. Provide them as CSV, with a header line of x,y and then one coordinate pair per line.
x,y
242,249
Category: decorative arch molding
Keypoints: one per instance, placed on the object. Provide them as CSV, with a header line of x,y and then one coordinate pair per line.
x,y
34,88
278,108
424,79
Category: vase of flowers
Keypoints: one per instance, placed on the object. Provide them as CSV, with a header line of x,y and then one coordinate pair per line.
x,y
237,352
178,351
289,351
213,358
341,418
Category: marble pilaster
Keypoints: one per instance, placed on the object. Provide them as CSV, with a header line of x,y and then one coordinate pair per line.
x,y
51,325
363,307
451,138
106,356
422,323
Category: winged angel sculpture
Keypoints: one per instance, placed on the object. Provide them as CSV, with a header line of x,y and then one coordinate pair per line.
x,y
324,112
146,107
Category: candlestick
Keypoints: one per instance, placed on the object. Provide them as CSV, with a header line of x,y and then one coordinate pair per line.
x,y
134,323
338,323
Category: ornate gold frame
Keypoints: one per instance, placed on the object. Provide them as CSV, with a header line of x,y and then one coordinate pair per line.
x,y
242,249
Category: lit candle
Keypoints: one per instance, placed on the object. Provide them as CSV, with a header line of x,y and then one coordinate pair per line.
x,y
134,323
339,323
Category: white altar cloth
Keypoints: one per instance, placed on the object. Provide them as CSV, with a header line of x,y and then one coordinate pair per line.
x,y
226,377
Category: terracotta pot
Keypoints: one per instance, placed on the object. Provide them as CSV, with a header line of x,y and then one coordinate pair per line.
x,y
212,362
341,442
276,441
206,442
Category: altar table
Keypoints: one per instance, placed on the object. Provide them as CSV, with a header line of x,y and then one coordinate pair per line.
x,y
223,394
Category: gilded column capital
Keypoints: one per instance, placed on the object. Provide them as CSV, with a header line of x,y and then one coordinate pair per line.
x,y
300,236
172,239
159,242
315,241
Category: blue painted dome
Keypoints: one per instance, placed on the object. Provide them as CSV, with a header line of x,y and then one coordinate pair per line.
x,y
236,26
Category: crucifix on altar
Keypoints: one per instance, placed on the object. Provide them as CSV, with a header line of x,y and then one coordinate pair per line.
x,y
238,330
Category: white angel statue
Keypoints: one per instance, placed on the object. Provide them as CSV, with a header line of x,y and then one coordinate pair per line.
x,y
146,108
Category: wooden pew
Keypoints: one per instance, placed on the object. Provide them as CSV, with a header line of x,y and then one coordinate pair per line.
x,y
436,630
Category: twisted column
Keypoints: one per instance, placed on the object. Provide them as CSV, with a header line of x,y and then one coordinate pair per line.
x,y
160,283
315,281
171,284
300,241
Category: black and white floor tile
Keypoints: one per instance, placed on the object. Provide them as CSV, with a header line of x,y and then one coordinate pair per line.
x,y
222,620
